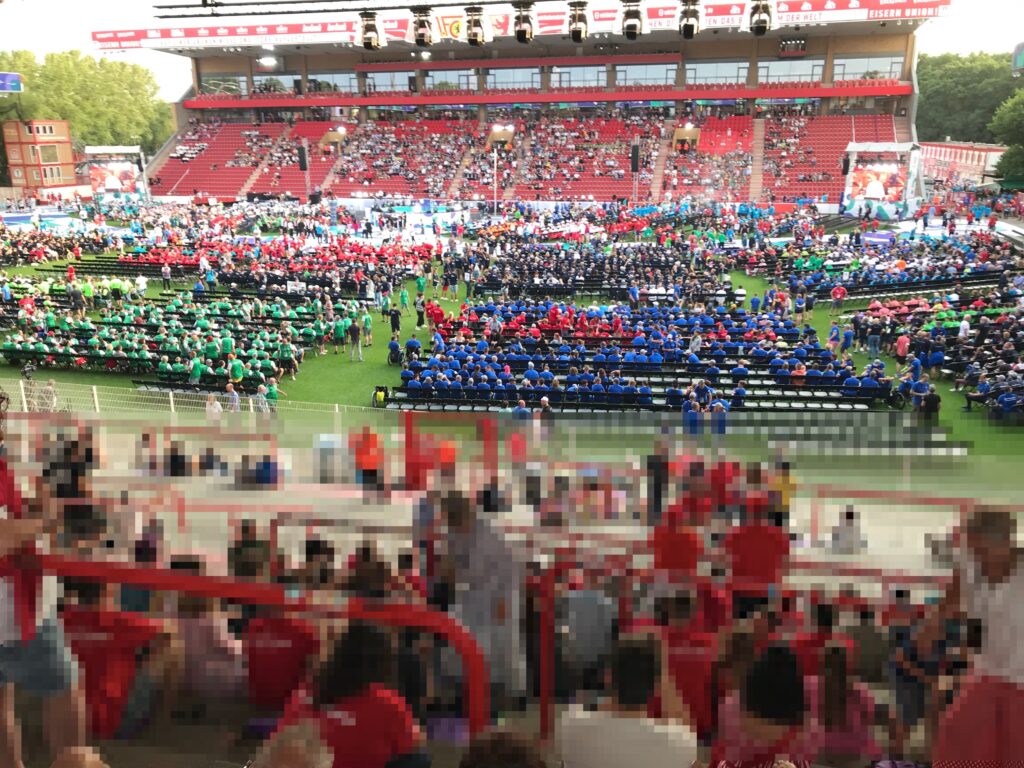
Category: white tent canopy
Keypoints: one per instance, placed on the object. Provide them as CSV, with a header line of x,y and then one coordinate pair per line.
x,y
113,150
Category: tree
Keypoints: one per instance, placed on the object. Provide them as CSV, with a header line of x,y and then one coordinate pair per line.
x,y
106,102
1008,122
959,94
1011,165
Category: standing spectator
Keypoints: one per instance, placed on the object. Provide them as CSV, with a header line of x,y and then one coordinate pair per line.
x,y
356,343
930,405
621,734
213,408
838,294
985,723
488,596
234,401
421,307
165,276
260,400
846,712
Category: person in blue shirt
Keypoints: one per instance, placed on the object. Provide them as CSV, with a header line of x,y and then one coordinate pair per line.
x,y
1008,402
703,393
531,374
615,390
914,367
413,346
755,303
740,369
833,336
674,395
521,411
851,386
980,394
739,395
918,391
711,373
847,342
645,395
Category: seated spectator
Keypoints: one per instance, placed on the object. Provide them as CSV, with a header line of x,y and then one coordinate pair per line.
x,y
363,722
620,733
768,718
502,749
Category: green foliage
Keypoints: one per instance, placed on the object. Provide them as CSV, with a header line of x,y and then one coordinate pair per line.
x,y
106,102
1008,122
1011,165
959,95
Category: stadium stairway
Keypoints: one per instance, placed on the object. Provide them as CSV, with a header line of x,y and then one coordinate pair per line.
x,y
757,164
456,185
510,192
258,170
664,150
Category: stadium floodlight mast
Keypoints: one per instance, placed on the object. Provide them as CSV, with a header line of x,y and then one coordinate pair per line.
x,y
689,19
632,20
523,22
422,27
578,21
372,40
499,128
476,35
760,18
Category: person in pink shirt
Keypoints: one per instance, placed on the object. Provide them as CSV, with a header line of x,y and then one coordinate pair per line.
x,y
902,347
845,710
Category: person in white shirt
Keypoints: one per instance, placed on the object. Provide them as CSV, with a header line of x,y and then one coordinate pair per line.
x,y
213,408
847,537
620,733
965,329
985,723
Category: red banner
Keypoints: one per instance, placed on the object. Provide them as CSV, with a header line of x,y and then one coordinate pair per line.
x,y
552,22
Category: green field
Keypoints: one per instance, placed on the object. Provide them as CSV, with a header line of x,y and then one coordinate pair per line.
x,y
337,379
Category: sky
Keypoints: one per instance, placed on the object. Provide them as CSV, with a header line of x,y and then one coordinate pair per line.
x,y
969,25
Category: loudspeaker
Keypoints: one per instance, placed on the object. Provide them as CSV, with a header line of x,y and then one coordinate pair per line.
x,y
634,158
846,165
314,198
297,86
303,164
412,83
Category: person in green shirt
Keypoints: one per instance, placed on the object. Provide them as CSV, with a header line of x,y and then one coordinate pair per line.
x,y
320,334
338,333
273,393
403,300
236,369
421,285
368,327
178,367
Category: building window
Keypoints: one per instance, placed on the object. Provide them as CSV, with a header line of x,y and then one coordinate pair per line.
x,y
225,84
515,78
790,70
869,68
645,74
579,77
717,72
35,175
53,173
282,82
451,79
17,173
332,82
48,153
390,81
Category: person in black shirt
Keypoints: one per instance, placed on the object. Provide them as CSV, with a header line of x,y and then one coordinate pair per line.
x,y
930,405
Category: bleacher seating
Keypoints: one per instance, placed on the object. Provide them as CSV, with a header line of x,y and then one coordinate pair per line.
x,y
287,177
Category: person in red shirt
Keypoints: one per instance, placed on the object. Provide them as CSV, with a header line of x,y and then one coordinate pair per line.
x,y
121,692
838,295
278,650
809,646
364,723
691,653
758,553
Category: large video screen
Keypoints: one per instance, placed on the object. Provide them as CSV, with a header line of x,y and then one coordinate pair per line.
x,y
882,181
113,177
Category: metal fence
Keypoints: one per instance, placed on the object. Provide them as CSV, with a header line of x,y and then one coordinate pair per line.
x,y
38,396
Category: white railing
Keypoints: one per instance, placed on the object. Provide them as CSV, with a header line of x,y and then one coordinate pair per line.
x,y
37,396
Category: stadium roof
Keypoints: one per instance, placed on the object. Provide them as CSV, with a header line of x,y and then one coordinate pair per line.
x,y
210,32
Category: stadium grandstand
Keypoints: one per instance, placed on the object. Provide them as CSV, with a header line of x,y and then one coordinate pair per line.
x,y
581,92
585,384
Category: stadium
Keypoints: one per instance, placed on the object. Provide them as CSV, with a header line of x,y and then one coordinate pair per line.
x,y
517,385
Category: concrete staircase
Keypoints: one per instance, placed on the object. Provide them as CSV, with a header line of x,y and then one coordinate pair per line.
x,y
757,164
453,188
258,170
510,193
904,130
664,151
